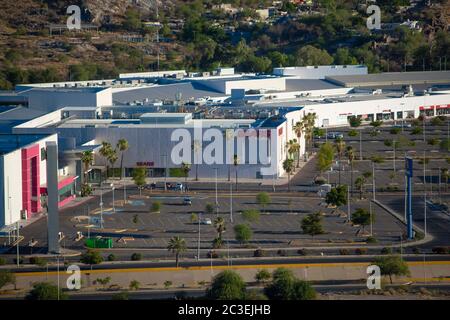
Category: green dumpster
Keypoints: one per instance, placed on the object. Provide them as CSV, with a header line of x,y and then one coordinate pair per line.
x,y
97,243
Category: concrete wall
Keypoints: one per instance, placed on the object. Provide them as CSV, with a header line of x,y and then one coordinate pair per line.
x,y
320,72
11,181
336,113
49,100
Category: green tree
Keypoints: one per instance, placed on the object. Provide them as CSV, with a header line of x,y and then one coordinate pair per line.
x,y
177,246
105,151
361,217
360,184
46,291
392,266
312,224
354,121
122,146
312,56
91,257
285,286
219,225
263,199
325,157
139,175
104,281
185,168
209,208
242,233
227,285
288,166
339,144
337,196
251,215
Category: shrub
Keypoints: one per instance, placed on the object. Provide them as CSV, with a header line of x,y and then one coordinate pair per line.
x,y
377,159
209,208
156,206
303,252
440,250
20,260
433,142
360,251
386,250
320,181
111,257
354,121
371,240
388,143
416,250
136,257
2,261
212,254
344,252
395,130
352,133
134,285
437,121
282,252
259,253
262,276
167,284
416,130
39,261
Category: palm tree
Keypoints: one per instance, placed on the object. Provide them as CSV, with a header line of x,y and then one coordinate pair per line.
x,y
219,224
196,147
340,148
87,157
177,245
186,168
236,163
293,148
309,122
351,158
112,158
288,166
360,183
298,128
105,150
122,146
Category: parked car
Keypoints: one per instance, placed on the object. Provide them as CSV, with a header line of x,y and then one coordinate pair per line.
x,y
187,201
206,221
335,135
179,186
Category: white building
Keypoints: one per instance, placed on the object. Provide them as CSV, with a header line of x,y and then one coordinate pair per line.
x,y
320,72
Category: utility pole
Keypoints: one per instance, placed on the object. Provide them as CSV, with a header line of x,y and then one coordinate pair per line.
x,y
101,207
57,266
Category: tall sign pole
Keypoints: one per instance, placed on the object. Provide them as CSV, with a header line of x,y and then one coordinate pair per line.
x,y
52,192
409,175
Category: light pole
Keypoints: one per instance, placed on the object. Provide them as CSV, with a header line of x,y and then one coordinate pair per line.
x,y
113,199
124,193
165,171
360,145
371,219
217,201
101,207
373,180
348,205
394,155
231,202
57,266
199,236
17,244
424,195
